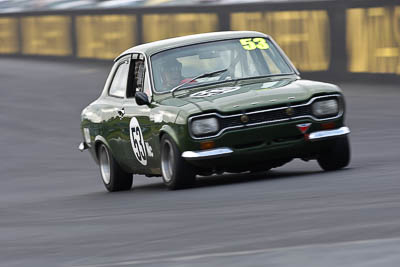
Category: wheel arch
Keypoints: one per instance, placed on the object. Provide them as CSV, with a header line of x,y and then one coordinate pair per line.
x,y
167,129
99,140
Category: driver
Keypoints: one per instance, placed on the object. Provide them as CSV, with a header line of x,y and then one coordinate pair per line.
x,y
171,73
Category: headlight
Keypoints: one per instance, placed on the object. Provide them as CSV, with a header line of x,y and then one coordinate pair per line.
x,y
201,127
325,108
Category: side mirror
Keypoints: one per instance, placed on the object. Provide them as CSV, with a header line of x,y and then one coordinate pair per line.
x,y
141,99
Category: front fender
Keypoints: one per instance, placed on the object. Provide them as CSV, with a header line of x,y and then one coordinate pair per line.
x,y
167,129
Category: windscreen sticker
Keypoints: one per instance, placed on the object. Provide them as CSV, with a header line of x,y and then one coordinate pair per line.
x,y
137,142
254,43
214,92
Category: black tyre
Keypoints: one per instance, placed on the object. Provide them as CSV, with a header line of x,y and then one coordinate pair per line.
x,y
114,178
337,156
176,172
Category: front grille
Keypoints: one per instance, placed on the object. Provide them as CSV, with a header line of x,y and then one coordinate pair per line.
x,y
266,116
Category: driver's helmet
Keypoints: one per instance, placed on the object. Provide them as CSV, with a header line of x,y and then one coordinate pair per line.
x,y
171,72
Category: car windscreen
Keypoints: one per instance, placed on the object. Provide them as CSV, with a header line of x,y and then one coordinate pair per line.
x,y
242,58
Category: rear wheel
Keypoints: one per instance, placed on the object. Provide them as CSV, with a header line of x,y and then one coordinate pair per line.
x,y
176,172
337,156
114,178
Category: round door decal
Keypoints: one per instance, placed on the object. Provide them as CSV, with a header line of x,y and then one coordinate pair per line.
x,y
138,146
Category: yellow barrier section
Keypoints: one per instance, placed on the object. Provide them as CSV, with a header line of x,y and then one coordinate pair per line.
x,y
373,39
104,36
8,35
303,35
158,27
46,35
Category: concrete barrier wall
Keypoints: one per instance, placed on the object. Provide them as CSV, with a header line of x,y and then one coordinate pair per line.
x,y
343,38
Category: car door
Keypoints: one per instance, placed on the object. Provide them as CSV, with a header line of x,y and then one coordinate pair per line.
x,y
112,105
139,131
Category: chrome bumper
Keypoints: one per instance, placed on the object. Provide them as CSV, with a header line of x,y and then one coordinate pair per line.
x,y
328,134
225,151
207,154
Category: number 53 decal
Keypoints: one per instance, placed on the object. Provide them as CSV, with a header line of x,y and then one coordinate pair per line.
x,y
137,141
251,44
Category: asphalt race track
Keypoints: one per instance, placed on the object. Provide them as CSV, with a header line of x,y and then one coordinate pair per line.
x,y
54,210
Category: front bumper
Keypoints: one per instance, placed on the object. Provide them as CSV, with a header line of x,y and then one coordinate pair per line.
x,y
207,154
322,135
226,151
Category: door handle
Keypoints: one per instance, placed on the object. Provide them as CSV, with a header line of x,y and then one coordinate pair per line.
x,y
121,113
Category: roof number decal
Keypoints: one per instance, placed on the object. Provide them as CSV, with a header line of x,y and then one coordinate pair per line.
x,y
254,43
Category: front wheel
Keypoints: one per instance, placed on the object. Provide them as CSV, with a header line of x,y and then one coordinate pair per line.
x,y
337,156
114,178
176,172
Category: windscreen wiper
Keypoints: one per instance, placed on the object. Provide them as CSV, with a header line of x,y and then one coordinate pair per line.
x,y
204,75
263,76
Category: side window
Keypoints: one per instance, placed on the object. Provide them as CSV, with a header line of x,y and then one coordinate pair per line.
x,y
120,80
138,76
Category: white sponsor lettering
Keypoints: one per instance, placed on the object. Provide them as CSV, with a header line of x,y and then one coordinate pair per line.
x,y
149,150
216,91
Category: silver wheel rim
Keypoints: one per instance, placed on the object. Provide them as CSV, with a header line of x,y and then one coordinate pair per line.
x,y
167,161
105,165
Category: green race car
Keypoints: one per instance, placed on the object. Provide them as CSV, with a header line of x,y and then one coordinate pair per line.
x,y
210,103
